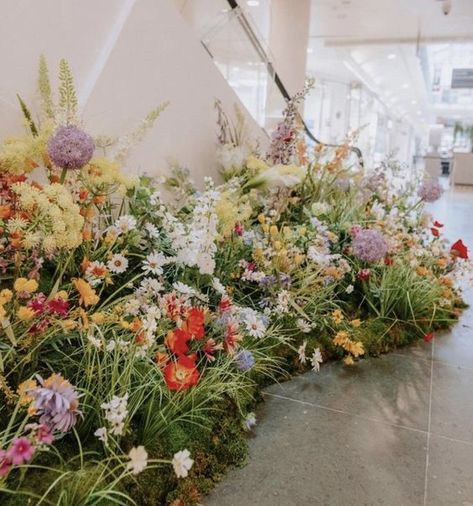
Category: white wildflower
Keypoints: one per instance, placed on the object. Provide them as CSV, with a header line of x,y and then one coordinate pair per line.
x,y
117,264
154,263
182,463
102,434
316,360
138,459
301,352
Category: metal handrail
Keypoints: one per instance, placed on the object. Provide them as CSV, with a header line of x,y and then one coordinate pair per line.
x,y
277,80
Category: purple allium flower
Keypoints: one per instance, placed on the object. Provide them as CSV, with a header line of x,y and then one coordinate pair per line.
x,y
430,190
70,148
57,402
20,451
245,360
370,245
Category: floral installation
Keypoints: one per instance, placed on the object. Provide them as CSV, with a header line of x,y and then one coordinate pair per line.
x,y
136,331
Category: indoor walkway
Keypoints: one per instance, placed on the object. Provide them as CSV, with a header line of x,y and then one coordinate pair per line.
x,y
395,430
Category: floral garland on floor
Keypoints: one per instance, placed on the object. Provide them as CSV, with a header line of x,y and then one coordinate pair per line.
x,y
133,329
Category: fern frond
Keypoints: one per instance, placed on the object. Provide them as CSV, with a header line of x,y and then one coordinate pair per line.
x,y
44,88
67,92
27,114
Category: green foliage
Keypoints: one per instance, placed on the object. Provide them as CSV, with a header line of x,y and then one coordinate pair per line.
x,y
44,87
67,92
27,114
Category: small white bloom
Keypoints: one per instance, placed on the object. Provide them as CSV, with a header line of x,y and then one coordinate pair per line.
x,y
117,264
316,360
349,289
301,352
154,263
182,463
138,459
152,230
303,325
125,223
184,289
255,325
218,286
97,343
250,421
101,433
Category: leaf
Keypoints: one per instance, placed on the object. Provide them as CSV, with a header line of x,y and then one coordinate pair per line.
x,y
67,91
27,114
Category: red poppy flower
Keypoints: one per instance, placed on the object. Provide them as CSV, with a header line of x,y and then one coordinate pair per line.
x,y
388,261
364,274
177,340
438,224
460,250
435,232
182,374
194,323
428,337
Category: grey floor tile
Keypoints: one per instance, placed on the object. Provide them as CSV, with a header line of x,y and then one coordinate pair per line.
x,y
450,477
456,346
452,402
305,456
390,389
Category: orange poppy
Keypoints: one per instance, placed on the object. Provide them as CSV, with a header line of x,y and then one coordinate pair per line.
x,y
194,323
182,374
177,340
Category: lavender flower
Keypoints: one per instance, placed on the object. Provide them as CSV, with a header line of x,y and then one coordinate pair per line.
x,y
56,401
370,245
245,360
70,148
430,190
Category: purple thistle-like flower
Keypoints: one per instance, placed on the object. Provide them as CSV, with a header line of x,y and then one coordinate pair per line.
x,y
430,190
57,403
70,147
244,360
370,245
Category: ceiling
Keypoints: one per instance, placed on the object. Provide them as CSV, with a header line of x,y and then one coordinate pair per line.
x,y
388,45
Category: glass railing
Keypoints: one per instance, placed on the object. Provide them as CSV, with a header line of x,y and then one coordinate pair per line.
x,y
233,39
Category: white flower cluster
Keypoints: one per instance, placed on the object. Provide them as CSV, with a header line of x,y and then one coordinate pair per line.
x,y
194,242
115,413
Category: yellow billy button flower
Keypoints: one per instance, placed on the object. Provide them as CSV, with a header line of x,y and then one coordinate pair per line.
x,y
6,295
299,258
98,318
265,228
25,285
25,313
261,218
277,245
273,230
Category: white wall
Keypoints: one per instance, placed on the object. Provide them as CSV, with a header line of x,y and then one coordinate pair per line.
x,y
127,56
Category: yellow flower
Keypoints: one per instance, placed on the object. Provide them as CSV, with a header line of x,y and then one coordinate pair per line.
x,y
3,313
261,218
62,294
341,338
422,271
25,313
6,295
98,318
25,285
337,316
23,389
356,349
273,230
256,164
68,324
87,294
348,360
356,323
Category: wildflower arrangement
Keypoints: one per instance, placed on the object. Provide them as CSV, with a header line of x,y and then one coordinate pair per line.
x,y
135,332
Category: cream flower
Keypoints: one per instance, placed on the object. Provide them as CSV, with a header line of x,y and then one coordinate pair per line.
x,y
182,463
138,460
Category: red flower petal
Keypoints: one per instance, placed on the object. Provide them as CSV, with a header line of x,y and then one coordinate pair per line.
x,y
435,232
460,250
428,337
438,224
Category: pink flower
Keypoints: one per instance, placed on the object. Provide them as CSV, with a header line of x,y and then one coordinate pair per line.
x,y
355,229
5,463
58,306
364,274
239,229
20,451
41,432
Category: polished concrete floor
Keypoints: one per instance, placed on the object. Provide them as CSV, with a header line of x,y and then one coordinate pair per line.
x,y
396,430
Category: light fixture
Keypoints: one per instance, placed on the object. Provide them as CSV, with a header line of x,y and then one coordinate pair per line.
x,y
391,56
252,3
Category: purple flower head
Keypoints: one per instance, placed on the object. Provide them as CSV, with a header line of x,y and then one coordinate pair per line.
x,y
70,148
20,451
244,360
430,190
57,403
370,245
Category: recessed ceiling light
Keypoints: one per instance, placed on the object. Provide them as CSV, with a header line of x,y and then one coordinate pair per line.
x,y
252,3
391,56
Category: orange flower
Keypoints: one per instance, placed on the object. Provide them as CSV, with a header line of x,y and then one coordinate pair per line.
x,y
161,359
177,340
5,212
182,374
87,295
194,323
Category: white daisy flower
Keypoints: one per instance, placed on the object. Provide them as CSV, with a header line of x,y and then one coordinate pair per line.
x,y
255,325
101,433
117,264
154,263
125,223
301,352
303,325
